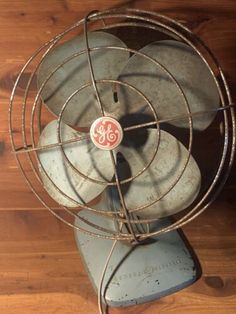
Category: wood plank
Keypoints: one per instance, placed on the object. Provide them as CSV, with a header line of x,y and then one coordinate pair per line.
x,y
40,268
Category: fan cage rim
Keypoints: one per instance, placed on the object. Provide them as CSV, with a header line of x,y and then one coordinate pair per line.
x,y
231,112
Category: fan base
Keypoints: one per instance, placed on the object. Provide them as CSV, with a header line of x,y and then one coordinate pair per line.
x,y
138,274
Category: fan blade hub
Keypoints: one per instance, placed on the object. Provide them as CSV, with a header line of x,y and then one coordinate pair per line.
x,y
106,133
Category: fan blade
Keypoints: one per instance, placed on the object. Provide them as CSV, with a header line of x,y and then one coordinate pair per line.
x,y
82,109
190,72
158,178
83,155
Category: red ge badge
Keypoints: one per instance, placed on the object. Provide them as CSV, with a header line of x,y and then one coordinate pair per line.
x,y
106,133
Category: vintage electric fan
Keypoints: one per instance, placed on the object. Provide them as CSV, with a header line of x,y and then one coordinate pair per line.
x,y
127,123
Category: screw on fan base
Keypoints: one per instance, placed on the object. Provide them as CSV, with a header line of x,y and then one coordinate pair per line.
x,y
106,133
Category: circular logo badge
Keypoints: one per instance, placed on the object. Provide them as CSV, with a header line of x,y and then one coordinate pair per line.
x,y
106,133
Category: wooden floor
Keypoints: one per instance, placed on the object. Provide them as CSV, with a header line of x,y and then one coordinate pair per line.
x,y
40,269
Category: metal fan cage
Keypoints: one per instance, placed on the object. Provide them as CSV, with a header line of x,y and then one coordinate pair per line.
x,y
26,122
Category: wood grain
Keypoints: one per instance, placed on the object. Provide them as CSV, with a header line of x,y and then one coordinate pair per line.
x,y
40,269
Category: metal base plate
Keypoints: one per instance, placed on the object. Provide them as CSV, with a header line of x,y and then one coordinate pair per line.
x,y
137,274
